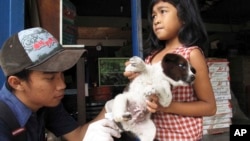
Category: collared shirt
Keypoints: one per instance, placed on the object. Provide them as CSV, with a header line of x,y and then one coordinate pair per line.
x,y
55,119
21,112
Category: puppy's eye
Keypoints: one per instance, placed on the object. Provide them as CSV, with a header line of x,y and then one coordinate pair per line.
x,y
182,66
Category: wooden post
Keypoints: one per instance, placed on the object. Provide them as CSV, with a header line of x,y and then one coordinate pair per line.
x,y
81,104
49,12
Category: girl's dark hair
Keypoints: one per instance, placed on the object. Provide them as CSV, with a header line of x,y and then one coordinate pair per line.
x,y
24,75
193,32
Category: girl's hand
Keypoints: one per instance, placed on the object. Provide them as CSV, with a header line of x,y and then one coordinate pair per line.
x,y
153,104
129,74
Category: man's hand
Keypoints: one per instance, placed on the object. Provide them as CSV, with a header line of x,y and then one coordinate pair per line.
x,y
102,130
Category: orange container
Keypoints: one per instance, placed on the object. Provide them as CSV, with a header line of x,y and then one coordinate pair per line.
x,y
102,93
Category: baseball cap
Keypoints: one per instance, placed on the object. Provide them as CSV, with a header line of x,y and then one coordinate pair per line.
x,y
36,49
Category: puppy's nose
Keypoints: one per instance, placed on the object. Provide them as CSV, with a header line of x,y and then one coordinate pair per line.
x,y
192,77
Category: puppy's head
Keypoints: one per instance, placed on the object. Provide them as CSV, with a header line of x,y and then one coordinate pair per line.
x,y
178,68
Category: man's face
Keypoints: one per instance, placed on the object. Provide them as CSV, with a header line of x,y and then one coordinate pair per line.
x,y
43,89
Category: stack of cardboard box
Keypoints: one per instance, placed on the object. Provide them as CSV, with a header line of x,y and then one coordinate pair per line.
x,y
220,80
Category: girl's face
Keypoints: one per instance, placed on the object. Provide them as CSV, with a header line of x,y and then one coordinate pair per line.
x,y
166,23
43,89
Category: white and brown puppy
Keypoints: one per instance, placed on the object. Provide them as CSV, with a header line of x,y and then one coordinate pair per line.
x,y
129,108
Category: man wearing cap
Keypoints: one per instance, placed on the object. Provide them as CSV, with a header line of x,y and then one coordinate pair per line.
x,y
33,62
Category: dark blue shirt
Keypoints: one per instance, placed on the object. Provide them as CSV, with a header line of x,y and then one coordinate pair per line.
x,y
55,119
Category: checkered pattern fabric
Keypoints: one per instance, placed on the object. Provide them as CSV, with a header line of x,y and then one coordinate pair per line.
x,y
172,127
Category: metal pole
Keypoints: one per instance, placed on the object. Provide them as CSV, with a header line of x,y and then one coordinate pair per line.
x,y
136,27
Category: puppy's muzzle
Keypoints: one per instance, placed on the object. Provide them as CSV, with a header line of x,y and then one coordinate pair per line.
x,y
192,76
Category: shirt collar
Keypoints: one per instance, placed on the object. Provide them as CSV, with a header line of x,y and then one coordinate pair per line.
x,y
21,112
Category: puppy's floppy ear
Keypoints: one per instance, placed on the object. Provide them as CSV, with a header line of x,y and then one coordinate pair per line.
x,y
168,61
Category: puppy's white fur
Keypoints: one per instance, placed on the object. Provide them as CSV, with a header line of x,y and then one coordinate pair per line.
x,y
129,108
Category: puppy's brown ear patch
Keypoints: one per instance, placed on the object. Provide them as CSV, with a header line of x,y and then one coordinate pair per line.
x,y
175,66
172,57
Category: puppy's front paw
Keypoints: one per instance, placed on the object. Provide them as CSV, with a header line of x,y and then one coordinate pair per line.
x,y
165,99
136,64
123,117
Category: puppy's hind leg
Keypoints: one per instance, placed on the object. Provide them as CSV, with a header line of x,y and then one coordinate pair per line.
x,y
120,108
136,64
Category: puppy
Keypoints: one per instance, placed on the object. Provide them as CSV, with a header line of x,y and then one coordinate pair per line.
x,y
129,108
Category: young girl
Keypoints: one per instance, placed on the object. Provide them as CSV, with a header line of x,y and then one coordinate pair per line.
x,y
176,27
